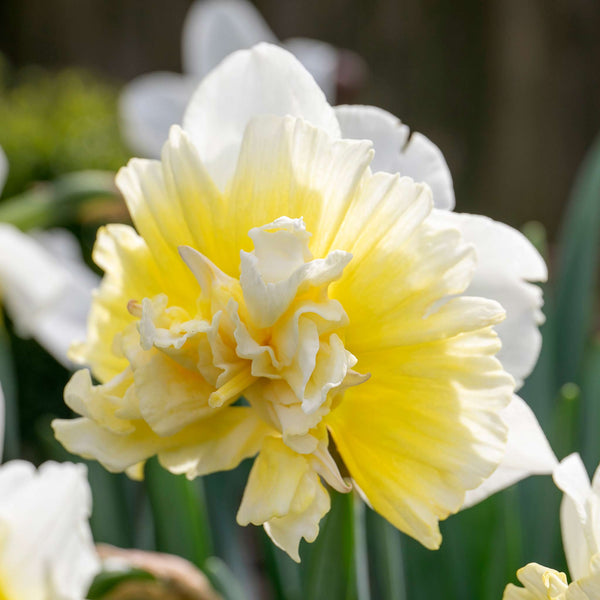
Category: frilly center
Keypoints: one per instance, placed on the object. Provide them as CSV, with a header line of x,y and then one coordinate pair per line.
x,y
273,337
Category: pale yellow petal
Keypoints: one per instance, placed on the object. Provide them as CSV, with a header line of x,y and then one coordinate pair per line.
x,y
160,223
213,444
425,428
130,274
541,583
170,396
289,168
285,494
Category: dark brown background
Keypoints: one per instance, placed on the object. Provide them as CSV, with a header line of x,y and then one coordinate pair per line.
x,y
509,89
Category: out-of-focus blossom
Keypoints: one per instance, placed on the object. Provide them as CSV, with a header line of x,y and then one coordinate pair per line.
x,y
580,524
278,262
46,547
213,29
176,578
44,284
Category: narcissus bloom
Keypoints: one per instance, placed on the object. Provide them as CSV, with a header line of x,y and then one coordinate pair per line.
x,y
580,524
283,295
44,284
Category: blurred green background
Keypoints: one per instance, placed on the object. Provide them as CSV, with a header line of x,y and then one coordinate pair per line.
x,y
510,91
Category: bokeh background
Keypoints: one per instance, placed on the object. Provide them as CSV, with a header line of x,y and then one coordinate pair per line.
x,y
508,89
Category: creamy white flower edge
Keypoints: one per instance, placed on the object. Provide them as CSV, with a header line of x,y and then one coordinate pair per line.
x,y
269,80
579,516
44,284
46,546
212,30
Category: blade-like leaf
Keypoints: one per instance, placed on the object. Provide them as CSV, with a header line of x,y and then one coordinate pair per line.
x,y
180,517
578,268
329,559
9,389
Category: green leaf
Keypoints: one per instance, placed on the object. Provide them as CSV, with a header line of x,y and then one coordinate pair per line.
x,y
58,202
9,389
330,558
223,580
578,267
361,554
386,561
180,516
590,408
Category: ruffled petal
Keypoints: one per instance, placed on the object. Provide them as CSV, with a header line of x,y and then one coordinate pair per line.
x,y
506,264
541,583
213,29
47,549
260,81
395,152
527,453
130,274
212,444
429,418
285,495
289,168
149,105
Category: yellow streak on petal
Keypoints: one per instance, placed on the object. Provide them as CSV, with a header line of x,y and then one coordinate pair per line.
x,y
233,389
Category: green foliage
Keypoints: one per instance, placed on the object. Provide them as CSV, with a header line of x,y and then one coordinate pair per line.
x,y
53,124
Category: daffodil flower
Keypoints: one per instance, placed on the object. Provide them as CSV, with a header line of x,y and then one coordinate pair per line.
x,y
44,284
213,29
46,547
285,298
580,524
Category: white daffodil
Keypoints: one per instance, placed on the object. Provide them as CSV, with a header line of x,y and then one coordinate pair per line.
x,y
46,546
580,524
213,29
276,260
44,284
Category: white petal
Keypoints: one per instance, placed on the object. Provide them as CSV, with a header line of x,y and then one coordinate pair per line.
x,y
260,81
149,105
506,262
320,59
3,169
46,287
416,157
527,453
47,548
213,29
579,515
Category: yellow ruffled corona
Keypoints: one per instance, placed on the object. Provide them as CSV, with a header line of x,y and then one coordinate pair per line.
x,y
318,291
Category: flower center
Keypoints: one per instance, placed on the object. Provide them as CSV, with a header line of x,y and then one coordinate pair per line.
x,y
274,336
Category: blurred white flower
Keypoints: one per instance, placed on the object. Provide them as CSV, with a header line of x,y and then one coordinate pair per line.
x,y
46,547
44,284
580,524
213,29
